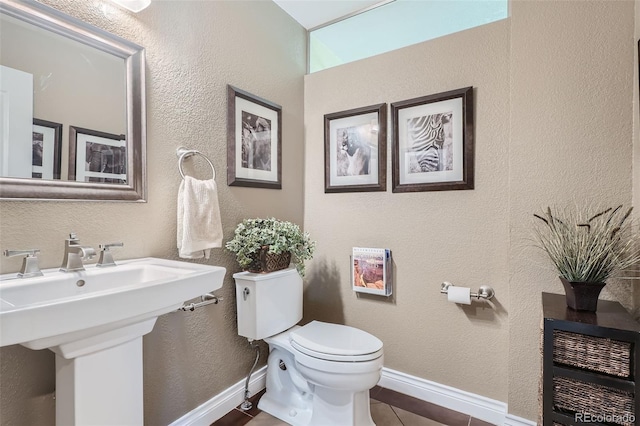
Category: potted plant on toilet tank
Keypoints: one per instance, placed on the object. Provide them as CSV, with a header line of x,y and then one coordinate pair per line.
x,y
267,245
588,247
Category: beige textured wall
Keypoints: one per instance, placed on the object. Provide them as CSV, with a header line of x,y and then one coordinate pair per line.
x,y
194,49
457,236
571,141
636,118
554,87
553,123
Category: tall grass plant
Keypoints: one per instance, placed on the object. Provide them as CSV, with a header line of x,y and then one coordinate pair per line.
x,y
589,245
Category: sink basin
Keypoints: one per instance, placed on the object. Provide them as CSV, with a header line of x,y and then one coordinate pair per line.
x,y
63,307
94,321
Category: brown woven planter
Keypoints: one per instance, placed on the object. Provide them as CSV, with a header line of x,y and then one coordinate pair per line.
x,y
264,261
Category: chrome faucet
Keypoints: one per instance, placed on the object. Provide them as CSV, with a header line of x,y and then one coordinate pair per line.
x,y
74,254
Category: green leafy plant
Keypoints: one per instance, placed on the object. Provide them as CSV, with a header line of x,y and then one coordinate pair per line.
x,y
589,247
280,236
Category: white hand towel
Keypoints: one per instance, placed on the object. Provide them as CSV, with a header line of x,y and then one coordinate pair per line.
x,y
199,223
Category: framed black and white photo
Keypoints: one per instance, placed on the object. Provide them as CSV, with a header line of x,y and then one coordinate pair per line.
x,y
355,150
96,156
254,141
46,149
433,142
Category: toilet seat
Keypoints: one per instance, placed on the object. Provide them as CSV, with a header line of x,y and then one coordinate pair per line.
x,y
335,342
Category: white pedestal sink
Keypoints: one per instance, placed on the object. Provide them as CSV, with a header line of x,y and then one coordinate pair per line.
x,y
94,321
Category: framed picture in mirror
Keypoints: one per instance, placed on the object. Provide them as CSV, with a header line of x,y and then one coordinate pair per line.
x,y
46,149
96,156
254,141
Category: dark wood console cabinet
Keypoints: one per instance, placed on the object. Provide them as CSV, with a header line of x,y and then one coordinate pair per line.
x,y
591,362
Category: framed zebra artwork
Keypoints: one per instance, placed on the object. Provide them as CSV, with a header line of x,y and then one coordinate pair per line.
x,y
254,141
433,142
355,150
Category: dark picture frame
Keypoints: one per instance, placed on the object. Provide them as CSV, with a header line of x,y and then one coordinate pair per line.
x,y
254,141
433,142
355,150
46,149
97,157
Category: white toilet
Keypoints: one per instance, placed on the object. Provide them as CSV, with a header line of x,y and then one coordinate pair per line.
x,y
318,374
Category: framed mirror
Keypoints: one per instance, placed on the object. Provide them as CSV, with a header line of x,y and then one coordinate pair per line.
x,y
72,108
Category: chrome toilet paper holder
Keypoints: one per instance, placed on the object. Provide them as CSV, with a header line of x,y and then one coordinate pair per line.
x,y
485,292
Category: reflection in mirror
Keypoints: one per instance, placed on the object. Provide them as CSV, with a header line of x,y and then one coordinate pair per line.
x,y
72,108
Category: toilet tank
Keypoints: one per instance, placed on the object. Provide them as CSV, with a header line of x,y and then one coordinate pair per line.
x,y
268,303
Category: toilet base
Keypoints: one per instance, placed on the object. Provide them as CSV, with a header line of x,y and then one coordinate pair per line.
x,y
292,398
292,416
288,396
331,407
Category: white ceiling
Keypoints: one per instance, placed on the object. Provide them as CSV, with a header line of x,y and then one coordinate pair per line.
x,y
312,13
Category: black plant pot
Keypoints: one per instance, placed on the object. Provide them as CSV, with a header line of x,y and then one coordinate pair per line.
x,y
582,296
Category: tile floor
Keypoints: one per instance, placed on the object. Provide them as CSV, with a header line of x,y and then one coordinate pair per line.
x,y
388,408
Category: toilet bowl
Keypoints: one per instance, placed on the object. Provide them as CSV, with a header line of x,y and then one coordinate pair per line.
x,y
308,386
318,374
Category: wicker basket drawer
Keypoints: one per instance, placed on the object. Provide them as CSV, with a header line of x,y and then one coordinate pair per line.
x,y
592,353
580,397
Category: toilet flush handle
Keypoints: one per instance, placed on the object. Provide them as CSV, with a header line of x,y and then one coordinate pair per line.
x,y
246,292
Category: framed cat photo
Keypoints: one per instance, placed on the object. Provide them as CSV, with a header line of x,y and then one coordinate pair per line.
x,y
433,142
355,150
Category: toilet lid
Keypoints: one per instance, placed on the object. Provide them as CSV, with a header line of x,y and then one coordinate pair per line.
x,y
336,342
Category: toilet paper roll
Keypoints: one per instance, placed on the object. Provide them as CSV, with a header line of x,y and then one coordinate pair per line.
x,y
460,295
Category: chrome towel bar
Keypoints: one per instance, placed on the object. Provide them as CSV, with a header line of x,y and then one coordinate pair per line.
x,y
183,153
205,299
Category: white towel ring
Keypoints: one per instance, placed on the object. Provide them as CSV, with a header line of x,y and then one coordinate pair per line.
x,y
183,153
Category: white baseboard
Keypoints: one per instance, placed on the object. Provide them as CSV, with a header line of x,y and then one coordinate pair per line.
x,y
223,403
512,420
477,406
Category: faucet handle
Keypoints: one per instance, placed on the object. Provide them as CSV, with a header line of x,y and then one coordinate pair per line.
x,y
106,259
30,266
106,247
29,253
